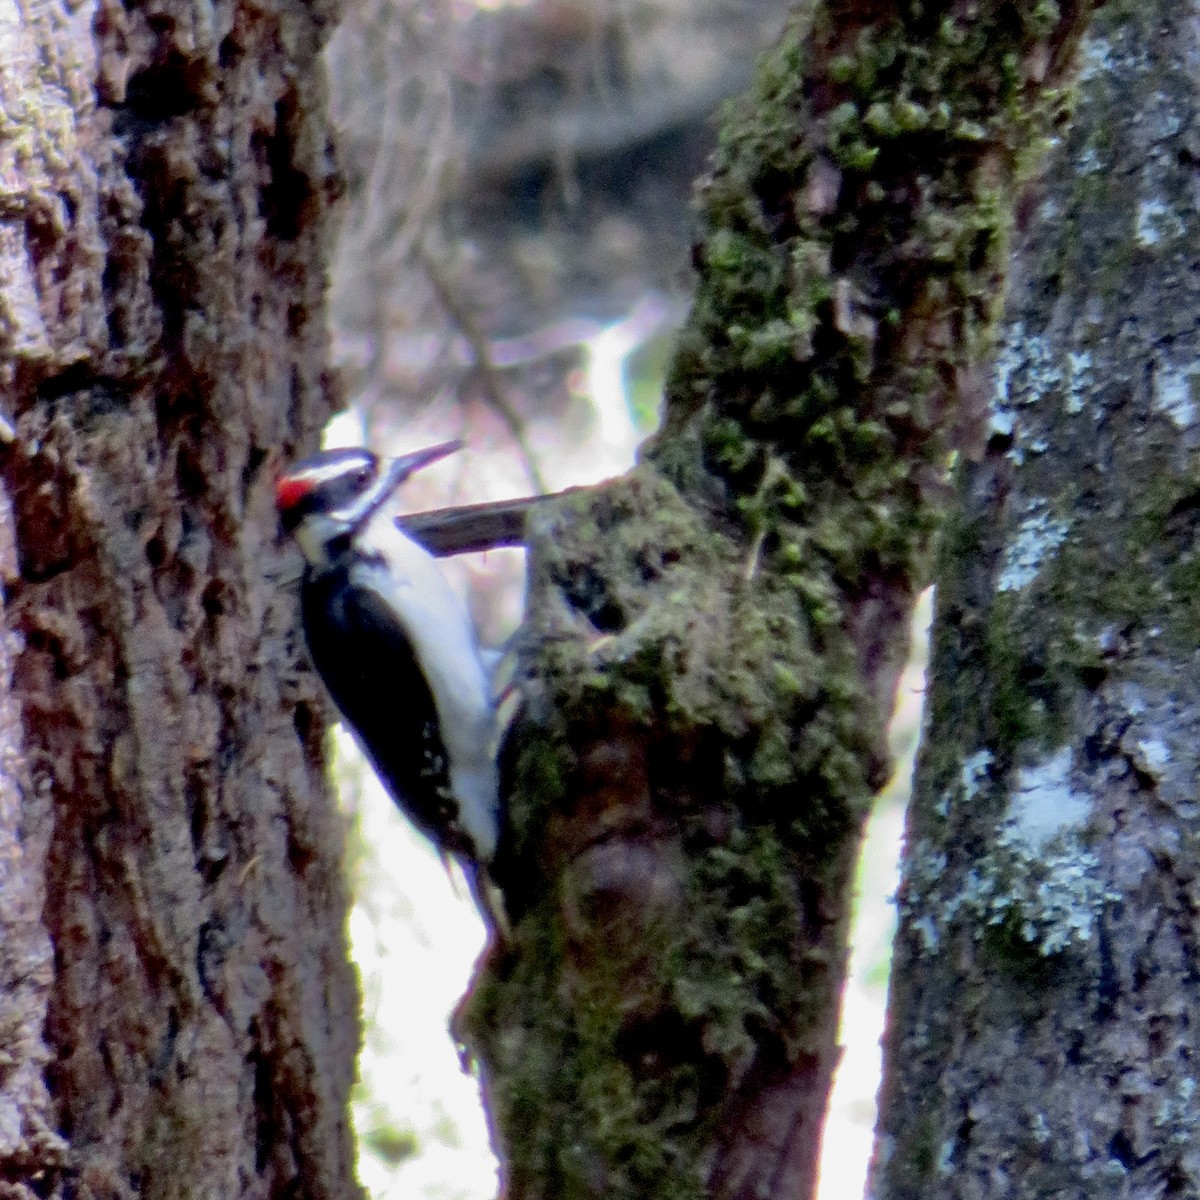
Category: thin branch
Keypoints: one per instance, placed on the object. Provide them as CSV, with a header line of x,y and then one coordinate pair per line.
x,y
494,388
467,528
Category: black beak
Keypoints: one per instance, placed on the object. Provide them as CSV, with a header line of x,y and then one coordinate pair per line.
x,y
404,465
397,470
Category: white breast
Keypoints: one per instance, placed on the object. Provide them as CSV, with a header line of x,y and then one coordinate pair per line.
x,y
443,639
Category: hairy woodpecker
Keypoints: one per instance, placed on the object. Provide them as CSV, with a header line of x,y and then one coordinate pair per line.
x,y
396,649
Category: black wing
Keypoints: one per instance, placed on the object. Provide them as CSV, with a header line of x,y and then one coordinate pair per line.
x,y
363,654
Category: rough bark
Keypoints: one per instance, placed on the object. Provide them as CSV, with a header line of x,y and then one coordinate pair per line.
x,y
713,642
177,1016
1043,1039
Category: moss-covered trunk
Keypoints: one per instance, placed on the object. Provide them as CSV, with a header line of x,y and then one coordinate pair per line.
x,y
713,642
1043,1037
177,1016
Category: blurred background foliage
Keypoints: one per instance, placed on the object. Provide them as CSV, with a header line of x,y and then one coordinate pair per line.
x,y
518,219
514,258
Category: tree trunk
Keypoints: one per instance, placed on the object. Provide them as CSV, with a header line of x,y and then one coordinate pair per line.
x,y
1042,1035
713,642
177,1016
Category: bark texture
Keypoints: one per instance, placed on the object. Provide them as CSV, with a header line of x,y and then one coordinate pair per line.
x,y
713,642
177,1016
1043,1038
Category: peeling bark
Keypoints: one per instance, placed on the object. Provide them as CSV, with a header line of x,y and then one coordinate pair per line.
x,y
1043,1039
163,242
712,643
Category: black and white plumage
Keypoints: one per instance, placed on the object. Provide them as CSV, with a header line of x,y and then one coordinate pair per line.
x,y
395,646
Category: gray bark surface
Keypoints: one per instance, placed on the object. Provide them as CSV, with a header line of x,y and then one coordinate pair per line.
x,y
177,1015
1043,1039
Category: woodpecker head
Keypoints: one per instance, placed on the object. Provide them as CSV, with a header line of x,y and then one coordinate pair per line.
x,y
324,500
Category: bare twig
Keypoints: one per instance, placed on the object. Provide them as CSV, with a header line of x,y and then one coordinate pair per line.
x,y
467,528
494,387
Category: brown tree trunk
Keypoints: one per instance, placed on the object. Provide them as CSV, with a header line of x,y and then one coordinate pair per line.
x,y
177,1017
713,642
1043,1034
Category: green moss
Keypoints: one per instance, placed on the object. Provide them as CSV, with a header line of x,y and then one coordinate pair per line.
x,y
1015,716
618,1071
1088,585
786,348
745,974
628,1034
910,1176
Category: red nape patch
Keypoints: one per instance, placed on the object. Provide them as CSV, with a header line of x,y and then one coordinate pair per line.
x,y
290,490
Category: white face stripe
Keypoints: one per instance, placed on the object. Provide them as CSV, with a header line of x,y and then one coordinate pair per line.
x,y
317,475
